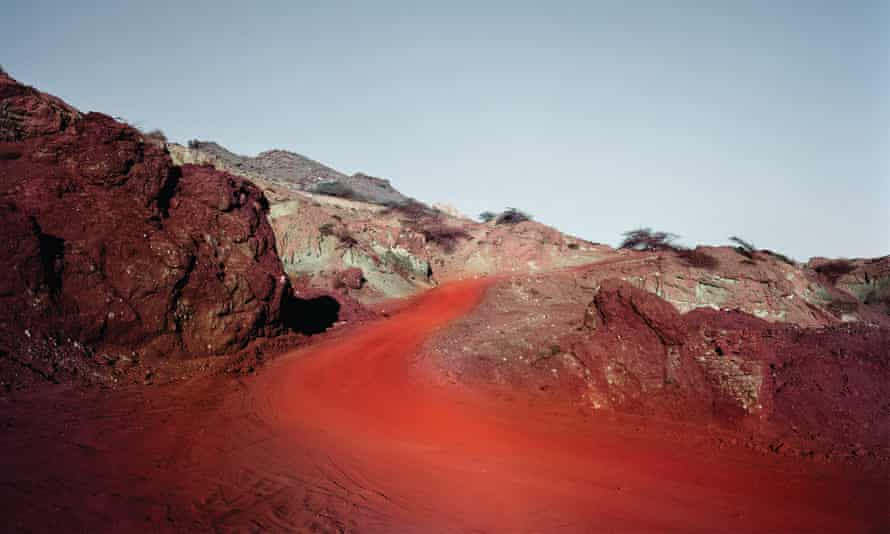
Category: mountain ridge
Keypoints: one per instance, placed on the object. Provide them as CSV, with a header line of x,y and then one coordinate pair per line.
x,y
291,170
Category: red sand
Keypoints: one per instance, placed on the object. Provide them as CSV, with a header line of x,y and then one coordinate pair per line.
x,y
350,435
455,463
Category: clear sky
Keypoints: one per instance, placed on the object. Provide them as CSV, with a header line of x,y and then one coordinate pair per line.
x,y
768,120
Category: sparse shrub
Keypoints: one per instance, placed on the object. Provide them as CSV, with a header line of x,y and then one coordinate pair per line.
x,y
326,229
512,216
428,222
194,144
487,216
780,257
573,246
413,209
341,233
697,258
745,248
2,70
835,269
156,135
334,189
646,239
435,231
346,239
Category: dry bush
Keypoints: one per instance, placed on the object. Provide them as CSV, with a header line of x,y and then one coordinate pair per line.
x,y
780,257
346,239
334,189
697,258
157,136
435,231
512,216
835,269
340,232
412,209
745,248
428,222
646,239
487,216
326,229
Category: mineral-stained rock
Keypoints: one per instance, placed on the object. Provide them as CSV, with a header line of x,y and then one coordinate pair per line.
x,y
105,242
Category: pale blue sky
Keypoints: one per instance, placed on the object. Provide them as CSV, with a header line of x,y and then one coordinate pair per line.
x,y
768,120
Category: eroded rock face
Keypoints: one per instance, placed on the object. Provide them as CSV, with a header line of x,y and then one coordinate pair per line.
x,y
106,243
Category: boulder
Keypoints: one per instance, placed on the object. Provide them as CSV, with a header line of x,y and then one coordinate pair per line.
x,y
107,243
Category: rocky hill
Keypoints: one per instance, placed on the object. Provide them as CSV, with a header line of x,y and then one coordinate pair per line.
x,y
291,171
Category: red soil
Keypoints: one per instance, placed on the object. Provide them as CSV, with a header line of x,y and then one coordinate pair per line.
x,y
350,435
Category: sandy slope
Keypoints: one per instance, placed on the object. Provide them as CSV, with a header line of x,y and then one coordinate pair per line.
x,y
349,435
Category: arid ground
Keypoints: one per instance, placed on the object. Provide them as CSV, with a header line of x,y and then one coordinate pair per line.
x,y
350,434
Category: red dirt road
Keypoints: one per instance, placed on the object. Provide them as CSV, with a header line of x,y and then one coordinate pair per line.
x,y
350,434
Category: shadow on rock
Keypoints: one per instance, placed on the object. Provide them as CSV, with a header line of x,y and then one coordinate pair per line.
x,y
310,316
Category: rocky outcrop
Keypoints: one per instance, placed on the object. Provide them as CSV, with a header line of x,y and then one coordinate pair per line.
x,y
763,285
106,243
402,251
613,345
26,112
824,386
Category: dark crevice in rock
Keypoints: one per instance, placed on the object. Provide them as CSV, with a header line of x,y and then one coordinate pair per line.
x,y
168,190
52,250
180,284
310,316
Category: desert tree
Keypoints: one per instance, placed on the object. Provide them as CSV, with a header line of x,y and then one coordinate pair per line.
x,y
835,269
156,135
646,239
487,216
512,216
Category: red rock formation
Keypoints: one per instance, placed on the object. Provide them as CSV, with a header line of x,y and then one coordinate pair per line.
x,y
825,385
617,347
106,243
